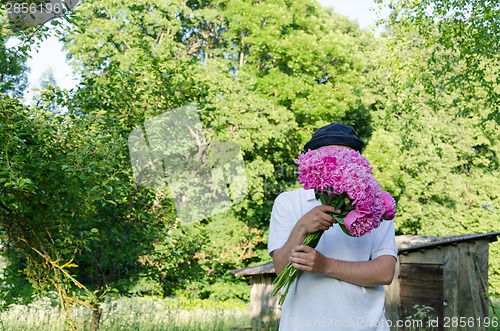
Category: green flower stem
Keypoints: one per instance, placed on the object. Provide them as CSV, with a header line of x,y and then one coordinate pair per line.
x,y
288,274
339,201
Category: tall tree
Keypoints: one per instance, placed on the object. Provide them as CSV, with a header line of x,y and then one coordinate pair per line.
x,y
65,203
263,74
13,69
73,213
434,147
463,39
263,81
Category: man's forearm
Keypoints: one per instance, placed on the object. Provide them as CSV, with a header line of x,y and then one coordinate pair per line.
x,y
365,273
281,256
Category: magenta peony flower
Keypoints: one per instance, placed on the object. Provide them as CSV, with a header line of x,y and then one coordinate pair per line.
x,y
347,174
352,222
389,205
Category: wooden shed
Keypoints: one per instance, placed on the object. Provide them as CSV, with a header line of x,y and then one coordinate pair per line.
x,y
448,274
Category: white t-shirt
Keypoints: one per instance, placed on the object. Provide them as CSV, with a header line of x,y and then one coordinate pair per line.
x,y
320,302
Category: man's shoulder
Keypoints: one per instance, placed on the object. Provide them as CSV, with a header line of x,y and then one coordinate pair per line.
x,y
295,196
293,193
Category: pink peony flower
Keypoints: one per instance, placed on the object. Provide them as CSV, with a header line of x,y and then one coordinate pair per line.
x,y
350,218
347,173
389,205
358,224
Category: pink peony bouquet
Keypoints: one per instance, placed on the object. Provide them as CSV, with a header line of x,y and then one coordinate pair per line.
x,y
341,178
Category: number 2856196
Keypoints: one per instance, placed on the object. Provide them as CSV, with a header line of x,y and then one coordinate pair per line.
x,y
471,322
31,8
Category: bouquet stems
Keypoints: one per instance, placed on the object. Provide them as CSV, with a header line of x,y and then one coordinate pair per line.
x,y
288,274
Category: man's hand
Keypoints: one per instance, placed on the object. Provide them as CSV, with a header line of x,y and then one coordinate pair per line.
x,y
314,220
306,258
317,219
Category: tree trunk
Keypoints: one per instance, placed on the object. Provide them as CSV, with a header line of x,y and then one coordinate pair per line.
x,y
242,55
242,58
96,317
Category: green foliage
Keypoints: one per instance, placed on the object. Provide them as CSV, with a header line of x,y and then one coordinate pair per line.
x,y
13,69
304,58
256,82
264,75
12,63
462,39
14,288
434,150
383,153
66,203
131,313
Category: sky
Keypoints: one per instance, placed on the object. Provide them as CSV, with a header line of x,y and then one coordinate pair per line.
x,y
363,11
49,55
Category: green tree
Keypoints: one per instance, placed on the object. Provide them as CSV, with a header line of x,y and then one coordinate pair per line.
x,y
69,206
66,203
432,146
462,37
263,74
13,68
264,81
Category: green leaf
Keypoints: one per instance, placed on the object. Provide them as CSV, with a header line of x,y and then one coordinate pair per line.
x,y
344,213
339,203
338,218
344,229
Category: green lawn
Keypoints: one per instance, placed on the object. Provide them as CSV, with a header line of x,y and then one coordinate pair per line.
x,y
136,313
141,313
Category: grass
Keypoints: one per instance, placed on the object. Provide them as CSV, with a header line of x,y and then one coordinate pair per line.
x,y
136,313
424,313
141,313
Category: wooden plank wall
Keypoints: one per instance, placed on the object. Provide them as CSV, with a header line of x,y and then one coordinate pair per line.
x,y
421,280
472,282
452,279
421,284
264,307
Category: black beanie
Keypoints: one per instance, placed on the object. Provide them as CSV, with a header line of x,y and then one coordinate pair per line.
x,y
335,134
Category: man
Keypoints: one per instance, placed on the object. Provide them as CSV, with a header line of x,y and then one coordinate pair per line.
x,y
341,283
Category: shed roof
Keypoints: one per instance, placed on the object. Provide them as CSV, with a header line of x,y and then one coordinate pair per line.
x,y
405,243
408,243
